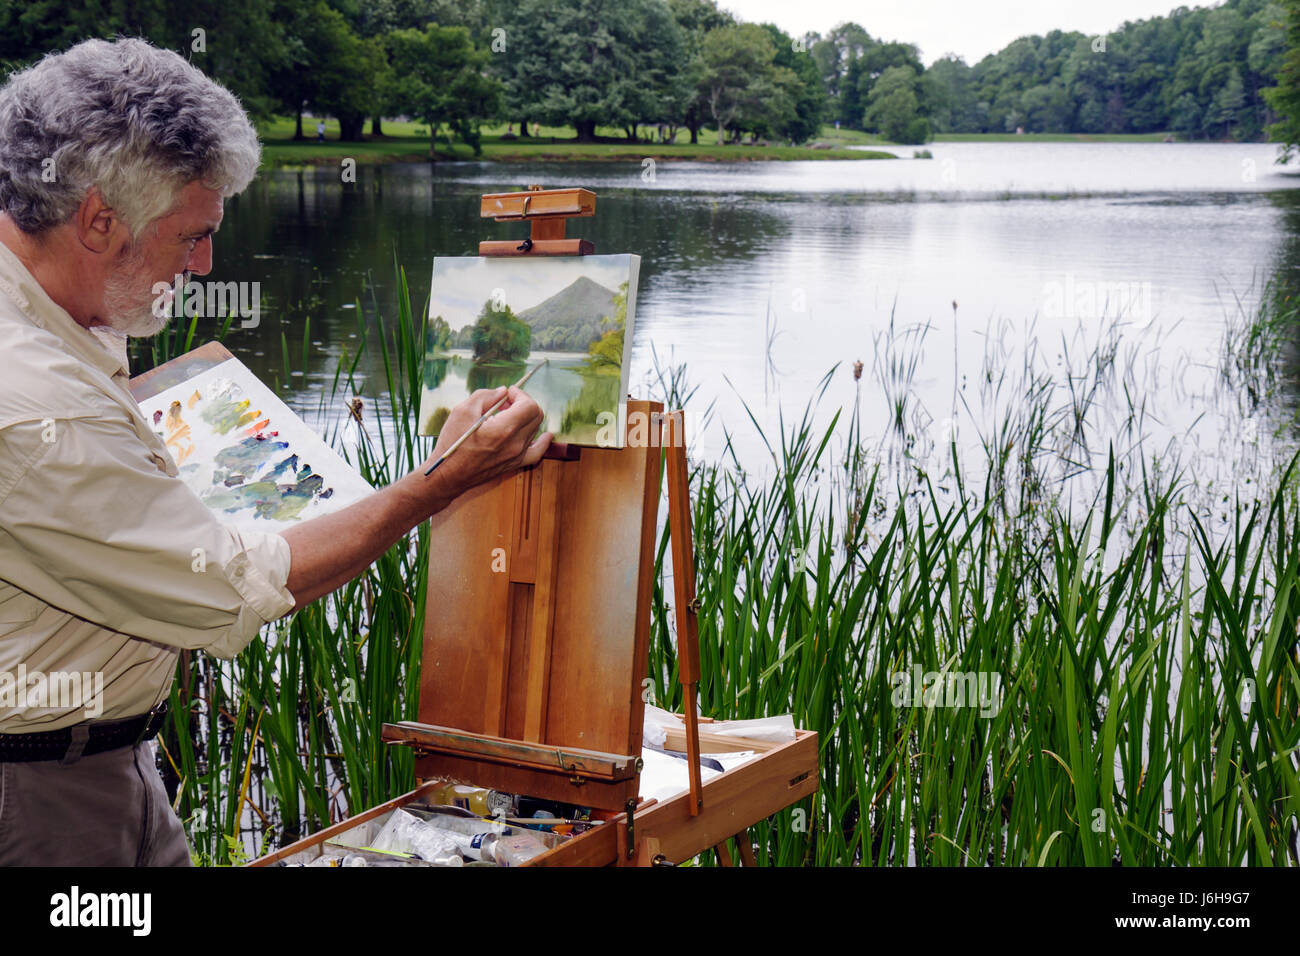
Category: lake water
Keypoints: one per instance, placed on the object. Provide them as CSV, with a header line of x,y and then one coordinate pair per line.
x,y
761,276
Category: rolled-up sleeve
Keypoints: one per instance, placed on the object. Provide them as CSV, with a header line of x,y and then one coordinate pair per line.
x,y
89,524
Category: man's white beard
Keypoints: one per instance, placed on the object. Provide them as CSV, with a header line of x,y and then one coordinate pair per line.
x,y
129,298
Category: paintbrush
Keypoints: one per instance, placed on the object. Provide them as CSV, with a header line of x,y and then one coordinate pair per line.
x,y
484,417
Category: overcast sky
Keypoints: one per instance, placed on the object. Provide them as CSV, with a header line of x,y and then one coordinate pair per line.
x,y
969,28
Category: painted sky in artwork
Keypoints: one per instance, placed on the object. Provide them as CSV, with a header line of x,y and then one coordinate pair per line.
x,y
461,285
246,454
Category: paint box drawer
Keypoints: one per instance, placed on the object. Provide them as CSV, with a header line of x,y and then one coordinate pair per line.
x,y
663,831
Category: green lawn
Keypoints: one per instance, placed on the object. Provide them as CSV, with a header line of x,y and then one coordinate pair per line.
x,y
403,142
409,142
851,137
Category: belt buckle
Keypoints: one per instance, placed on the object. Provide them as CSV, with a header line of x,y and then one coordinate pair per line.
x,y
153,722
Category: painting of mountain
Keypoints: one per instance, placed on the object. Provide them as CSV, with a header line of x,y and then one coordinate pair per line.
x,y
571,320
491,319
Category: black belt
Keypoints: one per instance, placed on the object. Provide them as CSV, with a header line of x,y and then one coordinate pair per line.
x,y
100,735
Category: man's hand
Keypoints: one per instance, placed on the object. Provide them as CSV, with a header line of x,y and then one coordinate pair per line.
x,y
503,443
328,551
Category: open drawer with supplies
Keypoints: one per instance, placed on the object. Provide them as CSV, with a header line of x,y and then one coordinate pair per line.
x,y
654,831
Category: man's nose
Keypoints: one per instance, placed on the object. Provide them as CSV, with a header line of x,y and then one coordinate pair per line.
x,y
200,261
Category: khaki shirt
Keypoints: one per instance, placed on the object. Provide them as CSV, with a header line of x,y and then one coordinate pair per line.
x,y
109,563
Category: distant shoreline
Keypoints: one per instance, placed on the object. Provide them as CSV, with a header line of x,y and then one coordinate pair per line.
x,y
407,142
309,153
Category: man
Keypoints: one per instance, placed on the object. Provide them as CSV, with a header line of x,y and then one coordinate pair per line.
x,y
115,159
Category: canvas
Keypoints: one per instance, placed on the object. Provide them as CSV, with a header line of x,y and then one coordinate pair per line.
x,y
246,454
491,319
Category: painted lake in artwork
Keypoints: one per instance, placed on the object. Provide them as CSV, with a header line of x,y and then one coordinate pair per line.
x,y
571,396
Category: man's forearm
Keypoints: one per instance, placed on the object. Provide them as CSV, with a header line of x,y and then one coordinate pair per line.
x,y
333,549
329,551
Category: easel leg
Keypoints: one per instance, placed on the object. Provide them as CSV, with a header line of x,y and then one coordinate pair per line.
x,y
724,855
684,597
746,848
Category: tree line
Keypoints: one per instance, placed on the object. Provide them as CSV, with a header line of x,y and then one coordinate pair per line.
x,y
1197,72
657,67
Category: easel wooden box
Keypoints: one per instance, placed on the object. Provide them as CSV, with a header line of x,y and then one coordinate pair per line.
x,y
532,674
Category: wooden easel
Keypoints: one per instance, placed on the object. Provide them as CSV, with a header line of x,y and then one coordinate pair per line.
x,y
537,629
559,649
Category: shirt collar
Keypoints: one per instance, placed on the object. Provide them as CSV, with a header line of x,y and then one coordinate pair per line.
x,y
21,286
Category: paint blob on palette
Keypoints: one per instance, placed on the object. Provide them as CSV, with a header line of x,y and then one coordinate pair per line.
x,y
246,454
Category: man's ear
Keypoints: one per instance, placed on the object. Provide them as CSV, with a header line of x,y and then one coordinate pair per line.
x,y
98,224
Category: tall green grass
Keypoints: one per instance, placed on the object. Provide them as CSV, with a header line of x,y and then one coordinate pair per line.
x,y
1144,638
1148,659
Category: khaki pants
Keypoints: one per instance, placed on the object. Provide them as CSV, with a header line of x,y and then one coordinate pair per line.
x,y
107,809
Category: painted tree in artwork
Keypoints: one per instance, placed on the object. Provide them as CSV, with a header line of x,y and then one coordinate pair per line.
x,y
439,335
606,352
500,336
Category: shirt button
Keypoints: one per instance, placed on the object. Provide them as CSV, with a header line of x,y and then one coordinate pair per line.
x,y
239,572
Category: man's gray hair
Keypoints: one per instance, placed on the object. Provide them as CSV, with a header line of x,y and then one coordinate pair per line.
x,y
138,122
